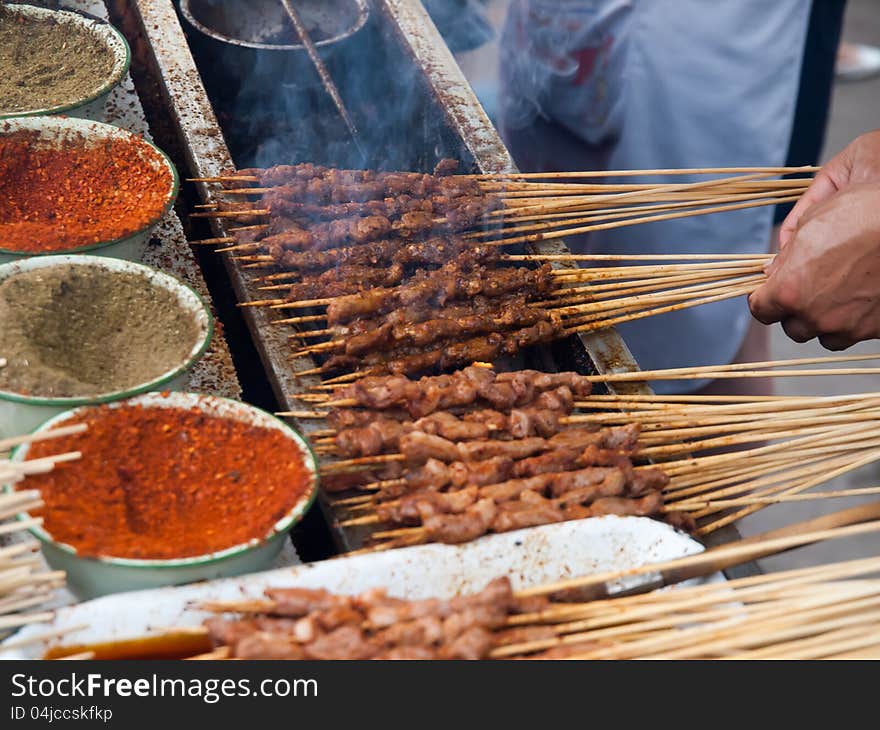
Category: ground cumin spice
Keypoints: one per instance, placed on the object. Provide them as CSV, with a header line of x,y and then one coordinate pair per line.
x,y
167,483
76,192
71,330
48,62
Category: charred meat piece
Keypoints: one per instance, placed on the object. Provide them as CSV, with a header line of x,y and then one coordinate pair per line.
x,y
518,515
480,450
529,421
301,601
418,447
344,280
451,427
446,284
346,642
445,167
412,509
549,461
646,506
479,473
464,527
378,437
267,646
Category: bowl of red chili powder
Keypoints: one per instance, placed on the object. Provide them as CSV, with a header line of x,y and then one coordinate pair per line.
x,y
73,185
171,488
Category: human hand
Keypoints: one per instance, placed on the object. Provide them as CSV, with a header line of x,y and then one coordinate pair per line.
x,y
826,284
858,163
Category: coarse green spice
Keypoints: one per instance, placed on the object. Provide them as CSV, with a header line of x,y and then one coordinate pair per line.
x,y
71,330
45,63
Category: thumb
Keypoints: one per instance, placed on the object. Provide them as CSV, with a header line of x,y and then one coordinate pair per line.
x,y
822,188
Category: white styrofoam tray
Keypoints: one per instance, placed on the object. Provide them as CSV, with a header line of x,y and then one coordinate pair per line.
x,y
529,557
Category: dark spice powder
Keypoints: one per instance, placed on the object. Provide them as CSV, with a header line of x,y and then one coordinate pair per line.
x,y
72,330
167,483
77,192
48,63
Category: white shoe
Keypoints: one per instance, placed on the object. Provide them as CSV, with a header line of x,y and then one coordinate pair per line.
x,y
856,62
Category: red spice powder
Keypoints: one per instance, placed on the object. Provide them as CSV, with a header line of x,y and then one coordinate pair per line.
x,y
167,483
76,192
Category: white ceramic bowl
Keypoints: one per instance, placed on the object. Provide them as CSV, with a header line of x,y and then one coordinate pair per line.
x,y
23,413
91,106
90,577
56,129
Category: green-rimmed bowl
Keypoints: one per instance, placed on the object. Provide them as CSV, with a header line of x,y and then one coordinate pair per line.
x,y
92,105
22,413
91,577
54,130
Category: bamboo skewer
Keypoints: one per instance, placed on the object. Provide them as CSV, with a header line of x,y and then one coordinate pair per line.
x,y
548,221
586,173
642,173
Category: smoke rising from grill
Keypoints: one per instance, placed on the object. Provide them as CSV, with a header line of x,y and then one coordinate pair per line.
x,y
273,107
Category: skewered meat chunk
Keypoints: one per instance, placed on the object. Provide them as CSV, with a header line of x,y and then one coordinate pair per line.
x,y
414,222
448,283
341,418
418,447
376,437
461,388
346,642
415,508
556,483
424,631
374,625
387,207
433,330
433,474
478,473
259,645
329,234
648,505
344,280
433,252
451,427
473,644
469,525
522,514
549,461
534,421
301,601
382,610
494,420
480,450
647,480
445,167
224,631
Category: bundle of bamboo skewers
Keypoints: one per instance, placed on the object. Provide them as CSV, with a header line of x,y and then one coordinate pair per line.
x,y
25,584
302,205
725,456
545,206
